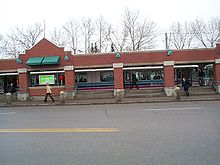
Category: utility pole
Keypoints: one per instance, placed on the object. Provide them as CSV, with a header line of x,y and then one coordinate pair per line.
x,y
166,41
44,29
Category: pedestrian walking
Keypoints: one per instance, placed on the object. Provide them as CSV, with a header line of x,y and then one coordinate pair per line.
x,y
134,81
48,89
11,88
201,78
186,85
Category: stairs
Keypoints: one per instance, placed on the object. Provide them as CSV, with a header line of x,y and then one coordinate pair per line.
x,y
201,90
146,93
200,93
3,97
94,94
138,95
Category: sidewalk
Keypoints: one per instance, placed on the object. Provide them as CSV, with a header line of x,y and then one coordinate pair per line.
x,y
111,101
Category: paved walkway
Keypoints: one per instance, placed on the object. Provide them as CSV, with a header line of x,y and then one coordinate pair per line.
x,y
111,101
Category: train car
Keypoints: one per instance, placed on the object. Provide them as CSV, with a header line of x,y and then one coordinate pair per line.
x,y
148,76
189,72
208,75
95,79
103,78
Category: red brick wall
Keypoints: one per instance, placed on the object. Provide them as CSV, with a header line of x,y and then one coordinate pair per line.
x,y
118,78
150,57
8,64
46,48
168,76
42,49
216,73
23,82
69,79
41,91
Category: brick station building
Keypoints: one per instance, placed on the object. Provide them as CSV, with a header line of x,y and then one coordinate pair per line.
x,y
45,62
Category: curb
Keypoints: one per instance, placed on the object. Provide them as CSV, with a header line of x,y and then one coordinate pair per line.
x,y
112,101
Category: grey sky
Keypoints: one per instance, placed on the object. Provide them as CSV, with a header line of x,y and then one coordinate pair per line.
x,y
57,12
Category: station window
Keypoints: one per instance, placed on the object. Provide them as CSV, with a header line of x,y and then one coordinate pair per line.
x,y
56,79
81,77
149,75
106,76
1,84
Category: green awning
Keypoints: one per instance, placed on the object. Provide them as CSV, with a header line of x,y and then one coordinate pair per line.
x,y
51,60
34,61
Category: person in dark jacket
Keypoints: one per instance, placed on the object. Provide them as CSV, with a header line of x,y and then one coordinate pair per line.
x,y
11,88
134,81
186,85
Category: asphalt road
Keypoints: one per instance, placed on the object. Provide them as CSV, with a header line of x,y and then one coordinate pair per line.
x,y
183,133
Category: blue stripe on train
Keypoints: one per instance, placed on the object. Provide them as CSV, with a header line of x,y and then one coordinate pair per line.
x,y
110,85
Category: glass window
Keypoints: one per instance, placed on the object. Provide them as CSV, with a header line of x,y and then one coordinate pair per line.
x,y
41,79
81,77
149,75
106,76
1,84
1,81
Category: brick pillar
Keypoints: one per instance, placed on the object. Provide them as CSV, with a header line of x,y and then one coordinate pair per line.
x,y
216,75
69,81
168,72
23,94
118,80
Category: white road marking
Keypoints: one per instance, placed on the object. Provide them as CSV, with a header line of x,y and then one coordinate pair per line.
x,y
59,130
174,109
7,113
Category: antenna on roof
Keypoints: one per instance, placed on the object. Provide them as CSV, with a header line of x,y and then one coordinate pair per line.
x,y
44,28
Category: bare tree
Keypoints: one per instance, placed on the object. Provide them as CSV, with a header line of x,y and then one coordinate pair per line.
x,y
118,38
87,28
102,32
180,35
22,39
2,46
26,38
199,30
58,37
208,33
213,30
72,33
141,33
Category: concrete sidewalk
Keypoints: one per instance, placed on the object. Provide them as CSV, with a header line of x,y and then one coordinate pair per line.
x,y
111,101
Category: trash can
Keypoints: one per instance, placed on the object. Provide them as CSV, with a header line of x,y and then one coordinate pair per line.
x,y
8,98
62,97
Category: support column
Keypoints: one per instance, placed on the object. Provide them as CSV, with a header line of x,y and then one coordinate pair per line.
x,y
118,81
69,81
23,93
169,78
216,75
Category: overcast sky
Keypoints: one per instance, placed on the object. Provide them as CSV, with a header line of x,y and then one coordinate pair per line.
x,y
57,12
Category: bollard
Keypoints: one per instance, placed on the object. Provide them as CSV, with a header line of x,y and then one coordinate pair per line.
x,y
8,98
118,97
62,97
177,91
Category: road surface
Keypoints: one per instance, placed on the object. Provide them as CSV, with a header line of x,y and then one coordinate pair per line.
x,y
117,134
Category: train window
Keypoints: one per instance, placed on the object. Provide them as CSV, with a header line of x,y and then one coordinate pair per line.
x,y
1,81
1,84
81,77
106,76
150,75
